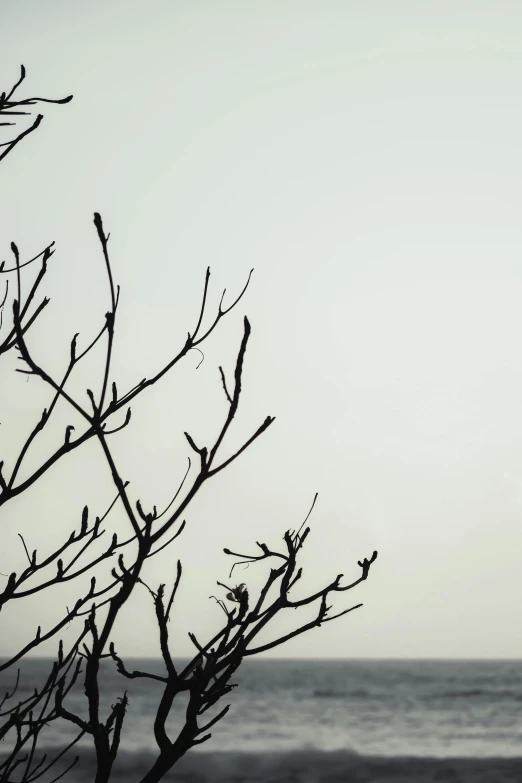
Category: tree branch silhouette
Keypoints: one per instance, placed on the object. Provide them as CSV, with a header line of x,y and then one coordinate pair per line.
x,y
96,608
151,531
207,677
13,107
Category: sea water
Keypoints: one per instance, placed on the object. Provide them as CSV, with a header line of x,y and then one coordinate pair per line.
x,y
327,715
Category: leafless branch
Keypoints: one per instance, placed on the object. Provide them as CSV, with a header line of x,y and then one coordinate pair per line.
x,y
9,106
207,676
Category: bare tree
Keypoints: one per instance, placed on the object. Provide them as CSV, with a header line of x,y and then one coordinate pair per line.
x,y
150,531
207,678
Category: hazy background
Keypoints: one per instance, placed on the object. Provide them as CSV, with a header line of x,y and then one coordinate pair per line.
x,y
365,158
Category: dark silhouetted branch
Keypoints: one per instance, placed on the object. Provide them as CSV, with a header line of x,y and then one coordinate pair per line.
x,y
9,107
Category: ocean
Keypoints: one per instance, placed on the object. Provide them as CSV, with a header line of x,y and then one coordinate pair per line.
x,y
325,720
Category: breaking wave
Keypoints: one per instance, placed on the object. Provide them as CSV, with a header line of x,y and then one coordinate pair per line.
x,y
306,766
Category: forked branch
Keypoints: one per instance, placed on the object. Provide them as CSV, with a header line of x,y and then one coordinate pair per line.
x,y
11,107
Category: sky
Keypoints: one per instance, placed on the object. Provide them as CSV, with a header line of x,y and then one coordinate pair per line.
x,y
365,159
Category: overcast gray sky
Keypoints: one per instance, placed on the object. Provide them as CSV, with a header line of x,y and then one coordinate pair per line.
x,y
366,159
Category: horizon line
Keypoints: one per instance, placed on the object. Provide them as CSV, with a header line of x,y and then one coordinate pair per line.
x,y
311,658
